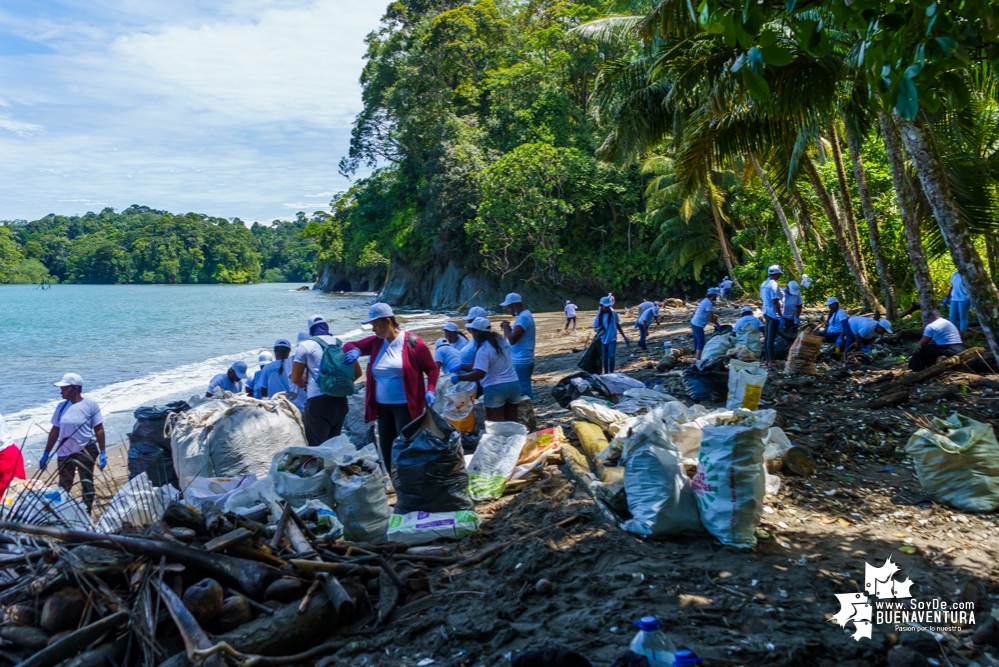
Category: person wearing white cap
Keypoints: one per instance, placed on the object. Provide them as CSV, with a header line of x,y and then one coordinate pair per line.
x,y
608,324
275,377
453,336
833,330
324,414
747,330
521,336
468,352
401,376
11,459
940,339
447,356
570,315
726,288
252,386
704,314
231,380
793,304
77,435
771,295
645,319
493,369
865,330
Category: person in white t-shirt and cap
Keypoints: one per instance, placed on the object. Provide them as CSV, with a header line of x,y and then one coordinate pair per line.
x,y
793,304
77,435
448,358
521,335
275,377
453,336
493,369
252,386
468,352
608,325
704,315
231,380
865,330
833,331
570,315
726,288
940,339
324,415
772,297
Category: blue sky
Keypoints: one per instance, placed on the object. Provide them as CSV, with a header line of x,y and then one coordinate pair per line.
x,y
232,108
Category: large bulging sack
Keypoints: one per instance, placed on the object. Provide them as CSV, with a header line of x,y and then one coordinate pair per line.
x,y
745,385
731,479
959,465
149,445
495,459
597,412
428,471
230,436
660,497
749,336
715,348
361,502
302,474
804,350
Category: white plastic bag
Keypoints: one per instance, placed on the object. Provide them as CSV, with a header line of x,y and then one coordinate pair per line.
x,y
361,502
776,444
730,481
459,401
138,503
716,347
745,385
750,337
216,490
310,480
648,398
660,497
495,459
424,527
618,383
233,435
598,413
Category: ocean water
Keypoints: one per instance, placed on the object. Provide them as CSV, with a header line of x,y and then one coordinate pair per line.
x,y
138,345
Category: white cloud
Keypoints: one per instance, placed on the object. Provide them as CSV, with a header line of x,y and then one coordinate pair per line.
x,y
17,127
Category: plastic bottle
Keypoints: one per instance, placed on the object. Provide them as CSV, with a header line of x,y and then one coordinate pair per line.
x,y
685,658
652,643
667,348
660,387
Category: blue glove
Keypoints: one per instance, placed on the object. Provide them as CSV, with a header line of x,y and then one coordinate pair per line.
x,y
431,398
350,357
102,460
454,379
44,461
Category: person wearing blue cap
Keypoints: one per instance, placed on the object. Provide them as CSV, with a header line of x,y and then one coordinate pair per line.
x,y
521,335
704,315
232,380
275,377
608,325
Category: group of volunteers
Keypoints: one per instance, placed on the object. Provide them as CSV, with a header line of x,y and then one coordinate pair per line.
x,y
782,308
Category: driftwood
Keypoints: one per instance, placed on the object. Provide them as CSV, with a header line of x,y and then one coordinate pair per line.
x,y
889,401
248,576
75,642
224,541
495,549
934,370
194,637
282,521
337,594
291,529
343,569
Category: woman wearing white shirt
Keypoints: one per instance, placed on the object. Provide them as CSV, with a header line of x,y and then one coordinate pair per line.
x,y
493,369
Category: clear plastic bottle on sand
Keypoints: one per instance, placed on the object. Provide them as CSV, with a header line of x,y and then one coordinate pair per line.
x,y
667,348
653,643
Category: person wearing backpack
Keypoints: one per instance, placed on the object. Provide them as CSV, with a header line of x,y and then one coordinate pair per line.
x,y
397,392
319,369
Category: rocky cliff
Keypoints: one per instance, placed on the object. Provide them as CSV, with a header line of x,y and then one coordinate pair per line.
x,y
357,280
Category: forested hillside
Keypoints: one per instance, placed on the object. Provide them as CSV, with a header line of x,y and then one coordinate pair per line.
x,y
142,245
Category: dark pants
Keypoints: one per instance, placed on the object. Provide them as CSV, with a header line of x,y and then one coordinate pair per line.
x,y
391,418
927,355
572,320
643,331
324,418
83,461
770,337
832,338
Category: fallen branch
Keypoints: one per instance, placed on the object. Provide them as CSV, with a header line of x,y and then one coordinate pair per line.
x,y
75,642
194,637
495,549
889,401
934,370
342,569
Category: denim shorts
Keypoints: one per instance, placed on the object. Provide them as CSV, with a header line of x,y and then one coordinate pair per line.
x,y
499,395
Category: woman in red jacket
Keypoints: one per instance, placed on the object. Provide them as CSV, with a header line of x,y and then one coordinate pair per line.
x,y
396,391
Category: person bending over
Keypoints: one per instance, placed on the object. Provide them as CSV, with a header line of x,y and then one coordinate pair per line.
x,y
493,369
940,339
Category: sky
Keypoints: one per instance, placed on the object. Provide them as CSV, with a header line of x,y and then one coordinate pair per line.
x,y
233,108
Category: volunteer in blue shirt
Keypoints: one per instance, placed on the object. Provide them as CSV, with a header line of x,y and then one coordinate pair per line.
x,y
834,332
252,386
608,324
645,318
453,336
793,305
275,377
866,330
704,314
746,317
960,302
772,296
940,339
521,335
231,380
726,288
448,357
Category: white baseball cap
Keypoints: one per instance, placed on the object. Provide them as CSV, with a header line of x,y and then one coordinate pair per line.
x,y
480,324
793,288
265,357
240,368
316,319
441,342
713,291
831,300
885,324
605,301
474,313
511,299
70,380
567,302
303,335
774,269
451,326
283,342
377,312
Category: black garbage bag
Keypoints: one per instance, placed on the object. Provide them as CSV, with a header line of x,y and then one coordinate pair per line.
x,y
551,657
150,421
149,448
707,385
573,386
785,338
428,470
592,359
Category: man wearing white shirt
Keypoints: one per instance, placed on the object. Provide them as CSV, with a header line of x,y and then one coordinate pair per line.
x,y
940,339
275,376
570,315
232,381
960,302
772,296
704,314
726,288
521,336
324,415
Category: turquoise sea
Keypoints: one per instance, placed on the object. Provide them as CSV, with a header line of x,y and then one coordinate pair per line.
x,y
140,345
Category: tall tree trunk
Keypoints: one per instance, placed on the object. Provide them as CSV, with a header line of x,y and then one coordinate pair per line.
x,y
724,243
806,218
910,221
866,295
872,221
992,253
933,178
780,213
849,218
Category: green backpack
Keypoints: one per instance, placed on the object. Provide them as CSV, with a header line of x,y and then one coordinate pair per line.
x,y
335,378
